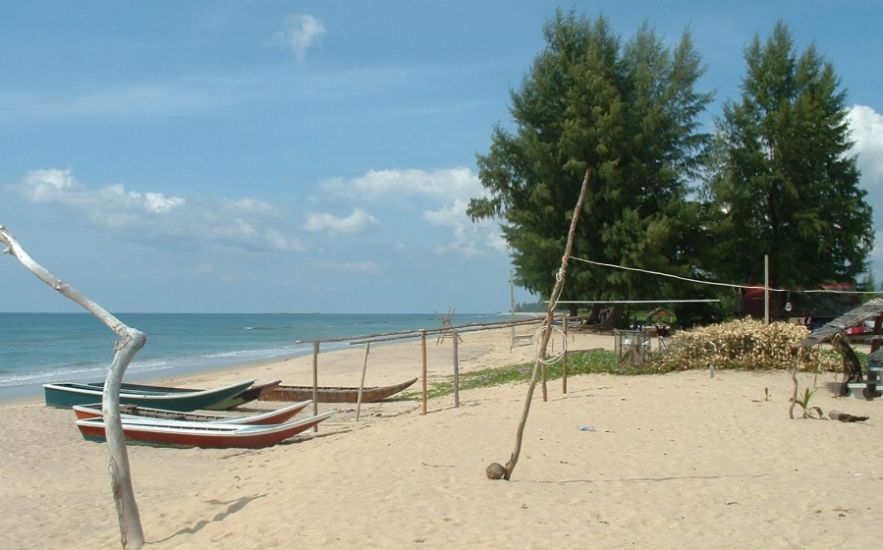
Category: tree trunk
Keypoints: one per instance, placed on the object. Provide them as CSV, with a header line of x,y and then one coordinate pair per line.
x,y
612,320
595,314
128,344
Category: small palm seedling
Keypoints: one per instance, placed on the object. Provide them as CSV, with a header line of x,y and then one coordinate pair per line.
x,y
808,411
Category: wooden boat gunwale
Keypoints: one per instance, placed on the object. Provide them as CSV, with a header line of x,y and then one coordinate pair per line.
x,y
335,394
65,395
204,434
275,416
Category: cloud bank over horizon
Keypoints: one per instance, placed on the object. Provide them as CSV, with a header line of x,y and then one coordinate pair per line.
x,y
400,202
866,125
247,224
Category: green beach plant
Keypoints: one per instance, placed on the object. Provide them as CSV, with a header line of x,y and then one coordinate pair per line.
x,y
803,402
579,362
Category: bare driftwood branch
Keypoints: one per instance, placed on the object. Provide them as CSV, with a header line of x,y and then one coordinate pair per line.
x,y
129,342
495,470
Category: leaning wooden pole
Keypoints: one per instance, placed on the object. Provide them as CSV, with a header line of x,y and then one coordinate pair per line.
x,y
129,342
495,470
316,382
456,371
564,361
424,368
362,383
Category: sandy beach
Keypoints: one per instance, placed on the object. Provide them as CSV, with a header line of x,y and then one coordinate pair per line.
x,y
663,461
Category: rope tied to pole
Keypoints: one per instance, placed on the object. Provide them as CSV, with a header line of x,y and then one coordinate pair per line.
x,y
499,471
538,339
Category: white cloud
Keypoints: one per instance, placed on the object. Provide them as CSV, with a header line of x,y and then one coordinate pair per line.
x,y
443,196
453,183
356,222
302,33
357,267
46,185
867,132
253,206
242,223
110,204
470,239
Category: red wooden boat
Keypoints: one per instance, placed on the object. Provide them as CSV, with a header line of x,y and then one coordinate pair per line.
x,y
156,416
202,434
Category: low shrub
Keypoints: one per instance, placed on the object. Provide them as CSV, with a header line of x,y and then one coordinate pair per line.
x,y
744,344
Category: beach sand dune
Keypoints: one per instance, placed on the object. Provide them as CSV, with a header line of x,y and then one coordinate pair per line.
x,y
674,461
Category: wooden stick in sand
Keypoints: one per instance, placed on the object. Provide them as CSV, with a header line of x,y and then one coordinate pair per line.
x,y
129,342
456,371
423,355
362,384
564,361
316,382
495,470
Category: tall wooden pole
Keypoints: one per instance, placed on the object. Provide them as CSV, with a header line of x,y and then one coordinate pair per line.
x,y
129,341
875,337
564,362
512,308
362,383
423,355
766,289
456,371
316,381
495,470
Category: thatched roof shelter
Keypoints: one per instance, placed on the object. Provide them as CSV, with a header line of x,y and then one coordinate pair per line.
x,y
869,310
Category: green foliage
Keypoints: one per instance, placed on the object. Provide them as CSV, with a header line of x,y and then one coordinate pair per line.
x,y
781,178
803,402
759,353
578,362
627,111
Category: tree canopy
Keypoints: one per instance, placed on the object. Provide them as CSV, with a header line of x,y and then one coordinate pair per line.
x,y
627,111
782,181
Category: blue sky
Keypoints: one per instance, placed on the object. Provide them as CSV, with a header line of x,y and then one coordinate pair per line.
x,y
219,156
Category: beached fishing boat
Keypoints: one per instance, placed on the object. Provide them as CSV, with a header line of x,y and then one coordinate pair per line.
x,y
67,395
333,394
130,413
202,434
248,394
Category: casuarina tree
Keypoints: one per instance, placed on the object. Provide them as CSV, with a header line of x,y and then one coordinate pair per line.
x,y
783,181
627,111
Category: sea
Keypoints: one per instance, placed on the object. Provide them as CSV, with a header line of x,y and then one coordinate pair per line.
x,y
36,348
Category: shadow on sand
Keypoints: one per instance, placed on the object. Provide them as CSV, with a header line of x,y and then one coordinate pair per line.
x,y
233,506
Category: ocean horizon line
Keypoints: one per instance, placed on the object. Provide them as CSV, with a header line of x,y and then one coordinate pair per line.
x,y
40,347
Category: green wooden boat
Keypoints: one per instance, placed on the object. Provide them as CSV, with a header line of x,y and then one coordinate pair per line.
x,y
249,394
66,395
